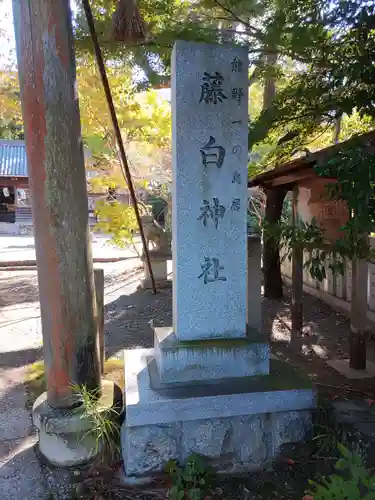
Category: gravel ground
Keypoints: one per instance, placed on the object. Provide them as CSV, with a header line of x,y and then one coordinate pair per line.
x,y
325,336
128,313
22,474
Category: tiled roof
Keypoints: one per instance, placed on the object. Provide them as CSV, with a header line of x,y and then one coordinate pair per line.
x,y
13,161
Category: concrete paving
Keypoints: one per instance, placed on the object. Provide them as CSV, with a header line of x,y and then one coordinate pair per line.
x,y
22,248
20,473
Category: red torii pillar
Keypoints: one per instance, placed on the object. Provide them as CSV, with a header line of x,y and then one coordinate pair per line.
x,y
46,66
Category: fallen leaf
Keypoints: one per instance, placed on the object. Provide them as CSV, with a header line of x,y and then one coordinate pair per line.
x,y
369,402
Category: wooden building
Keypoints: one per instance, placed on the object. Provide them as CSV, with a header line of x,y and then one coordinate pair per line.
x,y
311,201
15,194
15,199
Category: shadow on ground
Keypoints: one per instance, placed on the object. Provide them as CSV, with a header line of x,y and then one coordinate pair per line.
x,y
16,359
325,336
15,289
128,319
128,322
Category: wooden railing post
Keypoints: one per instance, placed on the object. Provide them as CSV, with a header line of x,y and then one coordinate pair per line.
x,y
297,273
99,292
358,323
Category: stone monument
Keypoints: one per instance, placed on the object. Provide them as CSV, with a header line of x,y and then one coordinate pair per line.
x,y
206,387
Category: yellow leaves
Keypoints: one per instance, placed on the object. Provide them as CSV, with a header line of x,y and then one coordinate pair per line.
x,y
143,116
118,220
155,118
10,104
100,184
144,119
355,124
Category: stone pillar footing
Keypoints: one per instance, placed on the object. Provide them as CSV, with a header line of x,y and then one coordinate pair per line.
x,y
159,268
68,438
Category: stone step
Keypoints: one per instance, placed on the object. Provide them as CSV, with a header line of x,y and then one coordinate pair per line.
x,y
190,361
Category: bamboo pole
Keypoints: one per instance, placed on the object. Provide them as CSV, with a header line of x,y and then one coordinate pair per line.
x,y
112,111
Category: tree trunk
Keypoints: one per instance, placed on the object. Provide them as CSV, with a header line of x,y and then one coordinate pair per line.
x,y
46,69
273,287
269,91
228,31
358,349
337,130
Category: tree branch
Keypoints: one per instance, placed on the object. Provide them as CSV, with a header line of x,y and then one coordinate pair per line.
x,y
237,18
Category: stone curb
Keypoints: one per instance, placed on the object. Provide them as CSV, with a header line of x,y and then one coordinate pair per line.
x,y
19,265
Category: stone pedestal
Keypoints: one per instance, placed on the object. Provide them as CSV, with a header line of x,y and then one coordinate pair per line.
x,y
239,424
183,362
221,398
69,437
159,262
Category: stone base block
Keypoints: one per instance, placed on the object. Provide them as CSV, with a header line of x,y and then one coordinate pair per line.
x,y
146,284
232,445
186,361
67,437
342,366
239,424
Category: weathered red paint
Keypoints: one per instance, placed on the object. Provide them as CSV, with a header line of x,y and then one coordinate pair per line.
x,y
55,30
35,131
57,181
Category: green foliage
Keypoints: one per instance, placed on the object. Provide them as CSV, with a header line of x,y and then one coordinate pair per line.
x,y
352,482
335,42
143,118
327,435
355,124
189,482
306,236
354,167
118,220
104,425
167,20
247,22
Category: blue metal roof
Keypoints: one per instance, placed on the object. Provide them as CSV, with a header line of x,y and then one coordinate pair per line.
x,y
13,160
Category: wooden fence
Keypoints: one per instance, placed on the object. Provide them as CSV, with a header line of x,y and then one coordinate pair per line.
x,y
336,289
